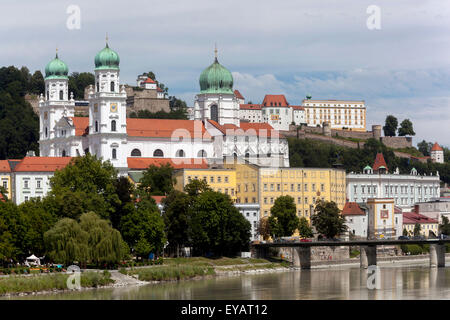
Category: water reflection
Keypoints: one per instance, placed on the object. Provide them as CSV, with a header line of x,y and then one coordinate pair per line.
x,y
397,282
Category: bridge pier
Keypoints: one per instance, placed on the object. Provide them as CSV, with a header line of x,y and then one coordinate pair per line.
x,y
368,256
437,255
302,257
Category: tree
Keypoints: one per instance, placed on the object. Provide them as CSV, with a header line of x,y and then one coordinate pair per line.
x,y
406,128
217,226
304,229
92,240
283,218
78,82
417,229
37,83
264,228
85,184
125,190
445,226
157,180
327,219
143,228
161,114
424,147
177,219
195,187
390,126
405,232
9,229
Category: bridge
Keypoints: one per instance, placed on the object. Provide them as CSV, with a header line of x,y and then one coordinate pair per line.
x,y
368,250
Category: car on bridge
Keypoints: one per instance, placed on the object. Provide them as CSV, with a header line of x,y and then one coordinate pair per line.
x,y
404,238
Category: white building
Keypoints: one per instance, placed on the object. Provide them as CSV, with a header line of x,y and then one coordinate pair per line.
x,y
214,134
405,189
32,175
437,153
435,208
355,220
274,110
251,212
340,114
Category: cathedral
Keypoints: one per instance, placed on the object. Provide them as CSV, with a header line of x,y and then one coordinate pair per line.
x,y
216,134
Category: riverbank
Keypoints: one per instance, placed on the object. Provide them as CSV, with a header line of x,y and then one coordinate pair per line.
x,y
177,269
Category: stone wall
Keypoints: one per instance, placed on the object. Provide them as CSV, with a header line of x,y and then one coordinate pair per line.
x,y
319,253
34,101
397,142
145,100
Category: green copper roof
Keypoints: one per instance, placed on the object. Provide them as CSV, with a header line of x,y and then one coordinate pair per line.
x,y
367,168
216,79
56,69
107,59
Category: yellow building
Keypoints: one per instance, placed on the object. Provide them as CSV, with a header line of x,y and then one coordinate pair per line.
x,y
427,225
220,180
5,177
305,185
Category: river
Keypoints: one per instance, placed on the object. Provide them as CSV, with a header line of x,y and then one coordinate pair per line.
x,y
397,281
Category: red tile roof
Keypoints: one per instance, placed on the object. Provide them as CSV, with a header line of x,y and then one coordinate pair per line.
x,y
4,166
379,162
436,147
158,199
165,128
42,164
272,100
352,209
238,95
250,106
177,163
297,107
149,80
81,125
413,218
247,129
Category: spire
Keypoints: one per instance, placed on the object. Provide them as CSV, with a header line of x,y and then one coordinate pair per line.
x,y
107,40
56,56
215,52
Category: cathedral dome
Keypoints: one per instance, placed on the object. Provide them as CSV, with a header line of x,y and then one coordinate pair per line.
x,y
107,59
216,79
56,69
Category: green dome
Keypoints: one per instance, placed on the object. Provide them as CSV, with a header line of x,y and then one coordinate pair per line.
x,y
216,79
56,69
107,59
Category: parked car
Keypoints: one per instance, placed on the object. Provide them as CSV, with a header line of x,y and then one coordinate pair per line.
x,y
403,238
444,236
305,240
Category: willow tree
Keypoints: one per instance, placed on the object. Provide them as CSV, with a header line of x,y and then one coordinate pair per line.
x,y
92,240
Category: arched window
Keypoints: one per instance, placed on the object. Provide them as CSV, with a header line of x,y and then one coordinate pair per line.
x,y
201,154
61,95
46,132
112,86
247,155
136,153
114,153
158,153
64,153
214,113
180,153
96,126
113,125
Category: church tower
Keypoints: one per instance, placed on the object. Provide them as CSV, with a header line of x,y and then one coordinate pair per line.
x,y
216,100
107,111
54,105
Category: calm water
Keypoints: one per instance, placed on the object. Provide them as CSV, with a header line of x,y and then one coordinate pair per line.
x,y
397,282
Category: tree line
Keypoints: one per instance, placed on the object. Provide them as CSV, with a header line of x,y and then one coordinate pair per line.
x,y
93,216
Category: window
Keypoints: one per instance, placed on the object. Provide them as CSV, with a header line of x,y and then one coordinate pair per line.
x,y
271,187
38,184
113,125
158,153
136,153
201,154
219,179
214,113
246,187
265,200
112,86
306,187
96,126
299,187
299,200
25,184
253,200
63,153
46,132
265,186
322,187
114,153
278,187
5,184
211,180
180,153
253,187
292,187
61,95
271,200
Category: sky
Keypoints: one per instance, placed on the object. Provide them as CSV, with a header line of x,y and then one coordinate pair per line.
x,y
318,47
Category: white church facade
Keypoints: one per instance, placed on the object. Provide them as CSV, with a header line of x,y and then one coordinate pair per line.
x,y
215,134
